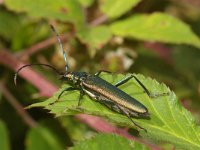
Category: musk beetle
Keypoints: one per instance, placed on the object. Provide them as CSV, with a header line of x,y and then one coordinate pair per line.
x,y
101,90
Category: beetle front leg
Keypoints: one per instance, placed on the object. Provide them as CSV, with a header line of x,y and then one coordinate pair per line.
x,y
66,89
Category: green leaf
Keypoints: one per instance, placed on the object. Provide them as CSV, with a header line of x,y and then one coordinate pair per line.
x,y
156,27
108,141
69,10
186,66
41,138
116,8
75,130
25,36
86,3
94,38
4,142
169,120
9,25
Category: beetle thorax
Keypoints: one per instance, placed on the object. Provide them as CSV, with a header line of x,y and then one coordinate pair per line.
x,y
75,78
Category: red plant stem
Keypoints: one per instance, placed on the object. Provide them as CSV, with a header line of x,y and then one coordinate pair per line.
x,y
17,106
98,21
103,126
41,46
47,89
28,74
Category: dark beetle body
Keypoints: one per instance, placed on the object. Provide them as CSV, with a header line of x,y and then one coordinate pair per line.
x,y
95,85
106,93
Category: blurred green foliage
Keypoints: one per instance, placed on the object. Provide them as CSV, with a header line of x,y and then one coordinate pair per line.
x,y
115,143
4,143
157,38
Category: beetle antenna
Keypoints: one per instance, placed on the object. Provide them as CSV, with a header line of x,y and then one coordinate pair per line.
x,y
61,46
28,65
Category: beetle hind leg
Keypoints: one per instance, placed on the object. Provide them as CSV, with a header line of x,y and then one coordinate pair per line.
x,y
123,81
99,72
119,109
126,113
151,95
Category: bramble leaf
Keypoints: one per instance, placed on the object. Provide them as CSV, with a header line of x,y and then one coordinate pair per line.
x,y
156,27
116,8
95,37
65,11
169,120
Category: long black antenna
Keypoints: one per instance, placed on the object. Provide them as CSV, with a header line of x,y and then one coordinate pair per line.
x,y
61,46
28,65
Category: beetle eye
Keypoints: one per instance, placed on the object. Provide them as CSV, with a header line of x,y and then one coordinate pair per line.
x,y
82,78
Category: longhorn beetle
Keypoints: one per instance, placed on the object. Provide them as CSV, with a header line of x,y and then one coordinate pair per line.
x,y
100,90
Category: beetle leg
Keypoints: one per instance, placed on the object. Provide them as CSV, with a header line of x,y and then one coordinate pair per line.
x,y
99,72
147,91
126,113
67,89
127,79
80,96
107,103
142,85
119,109
123,81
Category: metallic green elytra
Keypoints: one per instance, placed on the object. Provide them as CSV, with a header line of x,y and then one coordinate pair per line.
x,y
101,90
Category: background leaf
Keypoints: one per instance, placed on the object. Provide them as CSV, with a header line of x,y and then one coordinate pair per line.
x,y
94,38
8,25
187,65
169,120
76,131
86,3
4,142
114,9
156,27
65,11
41,138
108,141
